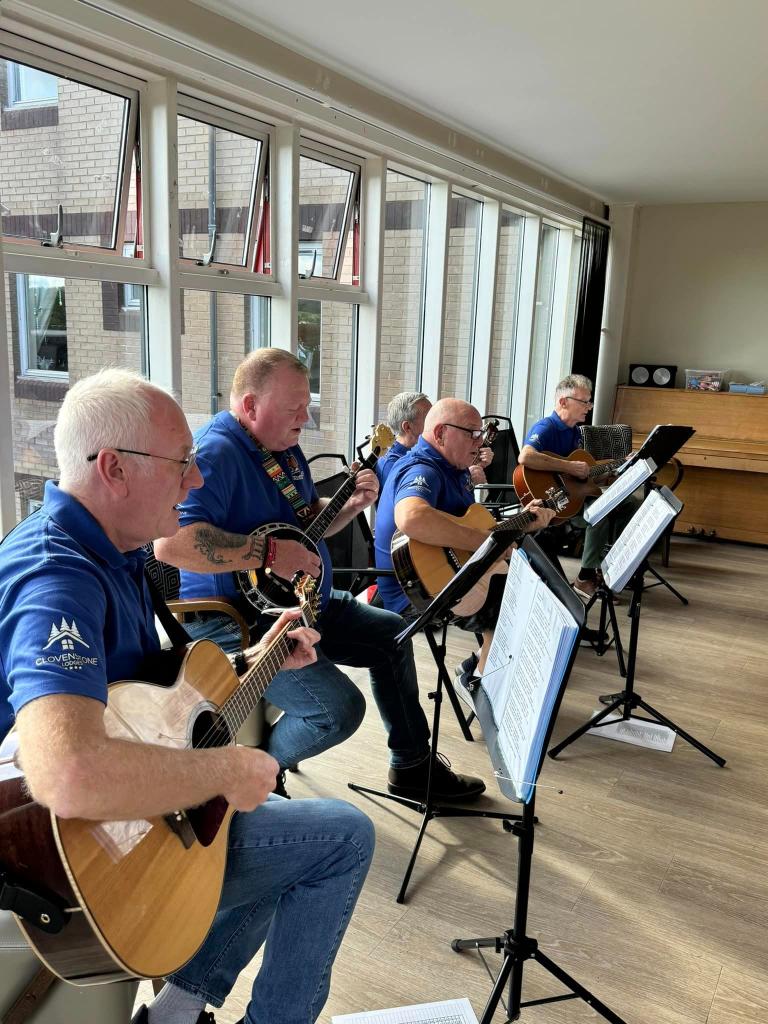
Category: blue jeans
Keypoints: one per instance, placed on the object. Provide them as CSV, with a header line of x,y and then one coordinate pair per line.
x,y
294,871
323,706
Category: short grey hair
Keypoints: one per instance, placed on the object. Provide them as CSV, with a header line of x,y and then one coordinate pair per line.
x,y
403,407
110,408
573,382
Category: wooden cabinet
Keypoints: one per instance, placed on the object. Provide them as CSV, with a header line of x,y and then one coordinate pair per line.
x,y
725,487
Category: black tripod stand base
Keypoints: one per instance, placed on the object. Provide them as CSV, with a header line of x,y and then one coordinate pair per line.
x,y
429,811
515,953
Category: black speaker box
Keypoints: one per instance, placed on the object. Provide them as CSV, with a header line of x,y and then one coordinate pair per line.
x,y
648,375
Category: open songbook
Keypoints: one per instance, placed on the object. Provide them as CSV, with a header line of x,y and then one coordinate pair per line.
x,y
534,637
638,537
620,489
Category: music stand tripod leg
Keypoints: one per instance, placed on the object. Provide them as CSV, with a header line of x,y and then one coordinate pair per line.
x,y
428,807
663,720
661,581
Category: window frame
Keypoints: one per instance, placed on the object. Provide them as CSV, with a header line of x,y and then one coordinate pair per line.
x,y
25,339
84,72
353,215
258,231
16,102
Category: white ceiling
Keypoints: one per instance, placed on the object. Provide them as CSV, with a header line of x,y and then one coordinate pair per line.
x,y
653,101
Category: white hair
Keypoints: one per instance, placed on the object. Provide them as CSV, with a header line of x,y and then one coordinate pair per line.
x,y
403,407
573,382
111,408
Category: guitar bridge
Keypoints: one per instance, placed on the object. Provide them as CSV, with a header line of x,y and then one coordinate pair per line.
x,y
179,824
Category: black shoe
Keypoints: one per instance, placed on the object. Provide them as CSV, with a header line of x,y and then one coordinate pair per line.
x,y
609,698
467,679
142,1017
280,786
447,786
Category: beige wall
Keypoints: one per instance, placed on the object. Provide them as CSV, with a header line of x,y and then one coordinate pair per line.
x,y
698,289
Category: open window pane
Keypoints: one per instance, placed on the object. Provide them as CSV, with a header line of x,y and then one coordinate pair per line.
x,y
465,216
327,341
218,178
504,331
402,316
61,143
217,330
80,327
327,196
542,325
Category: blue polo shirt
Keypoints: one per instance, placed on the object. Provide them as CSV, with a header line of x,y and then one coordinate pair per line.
x,y
422,473
553,436
75,613
239,495
387,463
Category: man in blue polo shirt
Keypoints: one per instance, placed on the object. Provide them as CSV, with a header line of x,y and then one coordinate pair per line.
x,y
405,418
76,615
255,473
547,446
432,480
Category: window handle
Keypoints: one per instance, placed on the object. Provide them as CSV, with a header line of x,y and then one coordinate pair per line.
x,y
56,238
206,260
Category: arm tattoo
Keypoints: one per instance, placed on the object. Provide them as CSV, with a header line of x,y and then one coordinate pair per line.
x,y
255,549
208,539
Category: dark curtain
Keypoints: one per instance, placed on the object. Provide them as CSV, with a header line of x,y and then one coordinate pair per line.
x,y
589,307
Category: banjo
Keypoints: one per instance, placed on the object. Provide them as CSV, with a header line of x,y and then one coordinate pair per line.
x,y
262,587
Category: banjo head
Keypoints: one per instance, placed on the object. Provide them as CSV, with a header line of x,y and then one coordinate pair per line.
x,y
265,589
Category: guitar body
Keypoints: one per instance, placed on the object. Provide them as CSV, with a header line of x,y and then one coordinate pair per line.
x,y
534,483
264,588
143,894
423,570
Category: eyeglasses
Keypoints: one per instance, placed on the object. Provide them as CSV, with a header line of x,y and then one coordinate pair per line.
x,y
187,463
581,401
476,434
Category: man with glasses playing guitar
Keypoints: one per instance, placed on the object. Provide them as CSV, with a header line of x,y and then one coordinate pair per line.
x,y
257,509
429,499
547,447
145,823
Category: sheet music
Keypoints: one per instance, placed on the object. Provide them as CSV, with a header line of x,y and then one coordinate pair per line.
x,y
449,1011
532,642
620,489
637,539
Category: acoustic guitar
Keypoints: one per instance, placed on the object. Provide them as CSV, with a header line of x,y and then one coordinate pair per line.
x,y
135,899
535,483
422,570
263,588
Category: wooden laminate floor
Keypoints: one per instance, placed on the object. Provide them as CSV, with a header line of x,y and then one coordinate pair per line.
x,y
649,881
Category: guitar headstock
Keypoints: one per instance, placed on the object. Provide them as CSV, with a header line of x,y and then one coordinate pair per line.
x,y
490,433
381,439
305,588
557,498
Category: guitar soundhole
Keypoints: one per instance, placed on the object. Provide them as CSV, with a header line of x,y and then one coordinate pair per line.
x,y
210,730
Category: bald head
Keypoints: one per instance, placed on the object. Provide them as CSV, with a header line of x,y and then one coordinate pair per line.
x,y
449,426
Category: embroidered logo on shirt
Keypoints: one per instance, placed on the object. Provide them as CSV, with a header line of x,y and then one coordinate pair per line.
x,y
420,481
66,635
293,467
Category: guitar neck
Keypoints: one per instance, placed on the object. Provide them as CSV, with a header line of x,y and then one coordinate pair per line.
x,y
604,467
320,525
254,683
516,524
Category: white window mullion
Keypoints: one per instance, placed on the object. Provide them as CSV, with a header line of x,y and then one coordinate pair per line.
x,y
525,316
559,309
284,183
486,298
369,315
434,290
7,484
161,205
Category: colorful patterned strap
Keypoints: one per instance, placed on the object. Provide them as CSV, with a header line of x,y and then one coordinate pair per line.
x,y
287,489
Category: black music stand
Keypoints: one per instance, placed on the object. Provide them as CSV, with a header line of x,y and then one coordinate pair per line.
x,y
664,441
515,945
435,618
626,701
